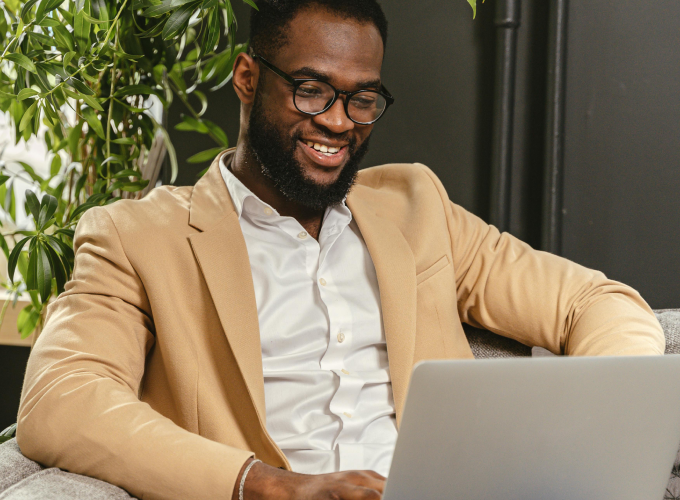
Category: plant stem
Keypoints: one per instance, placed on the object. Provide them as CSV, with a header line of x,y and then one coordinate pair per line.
x,y
110,115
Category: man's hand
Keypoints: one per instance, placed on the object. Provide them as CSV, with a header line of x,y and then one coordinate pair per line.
x,y
265,482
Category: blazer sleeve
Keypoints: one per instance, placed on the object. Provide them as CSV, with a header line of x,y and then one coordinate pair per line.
x,y
80,408
541,299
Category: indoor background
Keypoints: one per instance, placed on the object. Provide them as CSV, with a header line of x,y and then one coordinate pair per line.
x,y
591,168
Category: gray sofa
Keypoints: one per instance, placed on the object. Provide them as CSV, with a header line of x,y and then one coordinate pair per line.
x,y
23,479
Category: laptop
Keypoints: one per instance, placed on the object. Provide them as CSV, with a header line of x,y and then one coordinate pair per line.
x,y
561,428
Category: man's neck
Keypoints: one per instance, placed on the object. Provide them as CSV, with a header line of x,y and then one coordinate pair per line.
x,y
247,169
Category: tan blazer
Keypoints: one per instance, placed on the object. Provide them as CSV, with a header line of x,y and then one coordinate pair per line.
x,y
148,373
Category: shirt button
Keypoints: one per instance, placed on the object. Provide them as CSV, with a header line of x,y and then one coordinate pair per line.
x,y
341,338
268,211
322,281
302,235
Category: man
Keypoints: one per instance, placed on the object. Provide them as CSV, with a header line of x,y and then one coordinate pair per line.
x,y
266,313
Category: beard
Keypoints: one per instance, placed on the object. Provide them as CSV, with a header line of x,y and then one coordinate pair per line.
x,y
276,157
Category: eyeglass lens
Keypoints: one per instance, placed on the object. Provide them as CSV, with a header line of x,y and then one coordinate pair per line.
x,y
364,107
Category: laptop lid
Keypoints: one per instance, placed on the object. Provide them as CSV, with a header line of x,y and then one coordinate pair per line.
x,y
535,429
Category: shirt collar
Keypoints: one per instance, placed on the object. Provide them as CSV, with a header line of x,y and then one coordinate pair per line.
x,y
237,190
245,200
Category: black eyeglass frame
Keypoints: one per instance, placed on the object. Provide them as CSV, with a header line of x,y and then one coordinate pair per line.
x,y
296,82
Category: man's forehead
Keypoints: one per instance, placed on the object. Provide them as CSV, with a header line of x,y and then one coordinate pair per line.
x,y
344,49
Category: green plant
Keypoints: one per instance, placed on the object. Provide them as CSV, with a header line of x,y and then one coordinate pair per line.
x,y
8,433
84,74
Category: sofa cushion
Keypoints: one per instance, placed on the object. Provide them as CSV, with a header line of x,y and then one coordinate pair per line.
x,y
13,465
57,484
670,322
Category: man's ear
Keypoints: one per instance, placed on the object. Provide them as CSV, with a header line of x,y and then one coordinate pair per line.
x,y
246,73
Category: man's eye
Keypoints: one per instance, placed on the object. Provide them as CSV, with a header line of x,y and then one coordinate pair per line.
x,y
363,102
308,91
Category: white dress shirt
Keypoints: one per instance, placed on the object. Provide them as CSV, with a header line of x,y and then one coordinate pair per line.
x,y
328,393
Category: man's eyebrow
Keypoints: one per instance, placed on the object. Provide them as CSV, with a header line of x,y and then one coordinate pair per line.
x,y
308,72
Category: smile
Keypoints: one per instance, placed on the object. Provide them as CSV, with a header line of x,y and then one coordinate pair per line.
x,y
324,155
326,150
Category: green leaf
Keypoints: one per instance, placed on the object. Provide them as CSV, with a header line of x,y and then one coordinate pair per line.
x,y
252,4
94,122
26,9
60,247
211,36
227,68
14,257
91,101
43,272
26,93
3,179
42,39
81,26
27,320
8,433
80,86
206,155
127,173
473,4
208,4
219,134
28,115
59,269
91,19
74,138
166,6
189,123
33,204
67,59
178,21
68,232
63,37
55,166
81,209
52,4
49,22
48,206
124,140
22,61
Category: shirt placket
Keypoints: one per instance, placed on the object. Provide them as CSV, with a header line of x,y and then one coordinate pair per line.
x,y
341,340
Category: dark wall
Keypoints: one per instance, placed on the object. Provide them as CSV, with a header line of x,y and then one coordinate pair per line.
x,y
13,362
622,148
435,67
621,208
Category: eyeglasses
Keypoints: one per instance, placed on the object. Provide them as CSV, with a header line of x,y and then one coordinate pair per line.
x,y
313,97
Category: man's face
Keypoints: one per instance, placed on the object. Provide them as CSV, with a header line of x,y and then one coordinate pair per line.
x,y
348,55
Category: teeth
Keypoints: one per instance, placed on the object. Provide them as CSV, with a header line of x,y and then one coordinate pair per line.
x,y
326,150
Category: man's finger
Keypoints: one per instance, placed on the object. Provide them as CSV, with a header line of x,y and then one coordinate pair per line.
x,y
366,479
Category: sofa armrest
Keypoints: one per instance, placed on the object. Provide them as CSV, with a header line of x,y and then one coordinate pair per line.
x,y
24,479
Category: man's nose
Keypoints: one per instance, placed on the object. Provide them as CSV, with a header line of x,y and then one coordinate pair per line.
x,y
334,118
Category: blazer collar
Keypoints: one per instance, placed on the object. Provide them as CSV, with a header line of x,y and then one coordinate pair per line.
x,y
231,286
210,200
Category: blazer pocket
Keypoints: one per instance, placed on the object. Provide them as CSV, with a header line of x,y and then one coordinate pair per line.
x,y
432,270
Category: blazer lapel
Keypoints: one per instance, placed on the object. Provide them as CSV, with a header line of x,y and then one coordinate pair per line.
x,y
396,272
223,258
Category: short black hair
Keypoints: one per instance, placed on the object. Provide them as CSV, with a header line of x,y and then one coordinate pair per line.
x,y
268,24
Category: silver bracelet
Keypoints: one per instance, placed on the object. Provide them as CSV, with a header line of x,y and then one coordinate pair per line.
x,y
243,478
